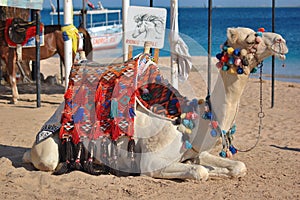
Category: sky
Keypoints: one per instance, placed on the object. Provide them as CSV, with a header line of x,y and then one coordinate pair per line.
x,y
187,3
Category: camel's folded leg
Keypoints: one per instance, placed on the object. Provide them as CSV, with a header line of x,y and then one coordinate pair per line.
x,y
222,167
45,155
181,171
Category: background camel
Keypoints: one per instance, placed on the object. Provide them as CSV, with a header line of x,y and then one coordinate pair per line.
x,y
160,147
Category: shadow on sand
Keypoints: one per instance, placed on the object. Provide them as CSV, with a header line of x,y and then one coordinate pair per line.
x,y
286,148
15,155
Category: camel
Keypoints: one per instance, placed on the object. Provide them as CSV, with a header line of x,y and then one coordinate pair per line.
x,y
158,140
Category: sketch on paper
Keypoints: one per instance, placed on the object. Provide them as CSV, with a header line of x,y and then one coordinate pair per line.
x,y
148,26
145,24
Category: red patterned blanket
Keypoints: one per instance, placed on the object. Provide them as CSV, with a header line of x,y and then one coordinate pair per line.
x,y
100,100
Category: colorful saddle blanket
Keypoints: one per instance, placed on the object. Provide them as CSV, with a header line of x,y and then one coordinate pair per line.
x,y
18,31
100,100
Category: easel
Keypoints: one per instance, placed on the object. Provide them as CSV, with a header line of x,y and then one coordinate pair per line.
x,y
147,48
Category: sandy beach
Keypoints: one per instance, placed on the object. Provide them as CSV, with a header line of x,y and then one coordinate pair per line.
x,y
273,166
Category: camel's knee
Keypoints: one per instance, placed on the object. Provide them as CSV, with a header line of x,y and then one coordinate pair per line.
x,y
45,155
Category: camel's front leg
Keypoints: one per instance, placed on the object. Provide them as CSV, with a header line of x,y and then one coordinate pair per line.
x,y
181,171
222,167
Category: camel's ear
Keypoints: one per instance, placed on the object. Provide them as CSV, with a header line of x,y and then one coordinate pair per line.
x,y
232,35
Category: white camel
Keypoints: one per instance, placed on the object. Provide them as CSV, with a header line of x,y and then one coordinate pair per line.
x,y
159,143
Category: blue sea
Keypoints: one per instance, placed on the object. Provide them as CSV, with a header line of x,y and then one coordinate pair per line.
x,y
193,29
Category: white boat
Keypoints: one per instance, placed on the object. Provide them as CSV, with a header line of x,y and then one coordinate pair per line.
x,y
106,34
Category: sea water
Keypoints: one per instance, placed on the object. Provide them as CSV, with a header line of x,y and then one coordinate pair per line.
x,y
193,29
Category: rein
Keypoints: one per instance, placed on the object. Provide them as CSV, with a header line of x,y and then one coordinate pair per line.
x,y
260,114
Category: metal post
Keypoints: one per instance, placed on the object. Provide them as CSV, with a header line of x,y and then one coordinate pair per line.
x,y
84,13
273,57
37,62
151,5
209,47
33,64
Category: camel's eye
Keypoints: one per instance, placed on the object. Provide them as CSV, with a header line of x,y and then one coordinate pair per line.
x,y
249,41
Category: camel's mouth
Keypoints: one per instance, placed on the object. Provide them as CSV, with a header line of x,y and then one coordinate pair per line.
x,y
279,49
279,55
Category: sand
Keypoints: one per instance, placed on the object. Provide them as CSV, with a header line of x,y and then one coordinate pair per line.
x,y
273,166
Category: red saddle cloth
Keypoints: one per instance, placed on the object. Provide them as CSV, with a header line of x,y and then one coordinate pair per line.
x,y
30,32
100,100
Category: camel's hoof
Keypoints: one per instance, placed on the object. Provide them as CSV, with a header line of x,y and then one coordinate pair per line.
x,y
13,101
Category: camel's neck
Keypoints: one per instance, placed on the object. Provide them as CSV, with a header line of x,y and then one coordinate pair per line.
x,y
226,96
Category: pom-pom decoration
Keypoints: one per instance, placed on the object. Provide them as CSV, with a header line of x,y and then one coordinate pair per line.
x,y
230,50
231,61
237,62
240,70
261,30
244,52
259,34
237,52
225,68
225,58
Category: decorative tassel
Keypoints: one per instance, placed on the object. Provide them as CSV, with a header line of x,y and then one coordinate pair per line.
x,y
69,151
78,165
104,150
222,154
232,149
88,165
115,131
114,158
131,155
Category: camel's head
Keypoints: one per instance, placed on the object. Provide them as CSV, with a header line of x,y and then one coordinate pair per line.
x,y
275,45
245,49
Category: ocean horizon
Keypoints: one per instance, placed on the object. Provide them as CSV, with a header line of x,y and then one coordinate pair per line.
x,y
193,29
